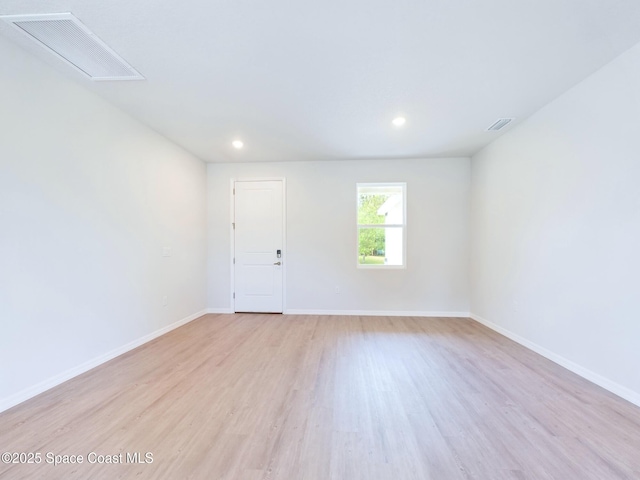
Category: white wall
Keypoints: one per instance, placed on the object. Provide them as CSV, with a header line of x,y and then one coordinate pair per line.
x,y
556,228
321,235
88,198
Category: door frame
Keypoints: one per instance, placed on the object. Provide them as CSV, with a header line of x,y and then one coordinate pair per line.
x,y
232,203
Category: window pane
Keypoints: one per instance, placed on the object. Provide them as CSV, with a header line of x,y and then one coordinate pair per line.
x,y
368,207
378,205
380,246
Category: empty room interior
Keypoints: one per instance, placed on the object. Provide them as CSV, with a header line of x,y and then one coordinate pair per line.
x,y
320,240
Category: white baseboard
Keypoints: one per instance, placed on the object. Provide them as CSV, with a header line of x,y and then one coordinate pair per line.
x,y
378,313
613,387
220,310
37,389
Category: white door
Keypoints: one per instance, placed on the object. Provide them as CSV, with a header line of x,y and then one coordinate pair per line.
x,y
258,245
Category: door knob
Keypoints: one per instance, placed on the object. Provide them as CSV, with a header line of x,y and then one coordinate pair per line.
x,y
277,263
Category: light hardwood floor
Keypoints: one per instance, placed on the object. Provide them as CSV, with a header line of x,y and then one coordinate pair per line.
x,y
307,397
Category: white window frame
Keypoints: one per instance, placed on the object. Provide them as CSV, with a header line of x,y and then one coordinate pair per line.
x,y
403,226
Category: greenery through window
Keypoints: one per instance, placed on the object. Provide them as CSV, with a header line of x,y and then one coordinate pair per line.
x,y
381,224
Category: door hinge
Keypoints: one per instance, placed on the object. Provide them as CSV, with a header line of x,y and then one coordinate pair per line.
x,y
234,294
234,225
234,191
234,261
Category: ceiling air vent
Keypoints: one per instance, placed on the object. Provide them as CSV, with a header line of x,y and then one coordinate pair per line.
x,y
499,124
64,35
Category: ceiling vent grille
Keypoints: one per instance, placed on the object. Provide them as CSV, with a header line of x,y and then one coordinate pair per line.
x,y
499,124
68,38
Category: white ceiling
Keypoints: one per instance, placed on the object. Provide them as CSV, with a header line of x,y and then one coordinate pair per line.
x,y
302,80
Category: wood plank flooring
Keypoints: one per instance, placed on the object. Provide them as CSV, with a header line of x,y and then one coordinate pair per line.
x,y
265,397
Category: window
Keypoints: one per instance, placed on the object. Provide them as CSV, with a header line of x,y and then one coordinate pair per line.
x,y
381,225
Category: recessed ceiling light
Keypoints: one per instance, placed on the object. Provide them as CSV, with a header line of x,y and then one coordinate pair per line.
x,y
237,144
399,121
